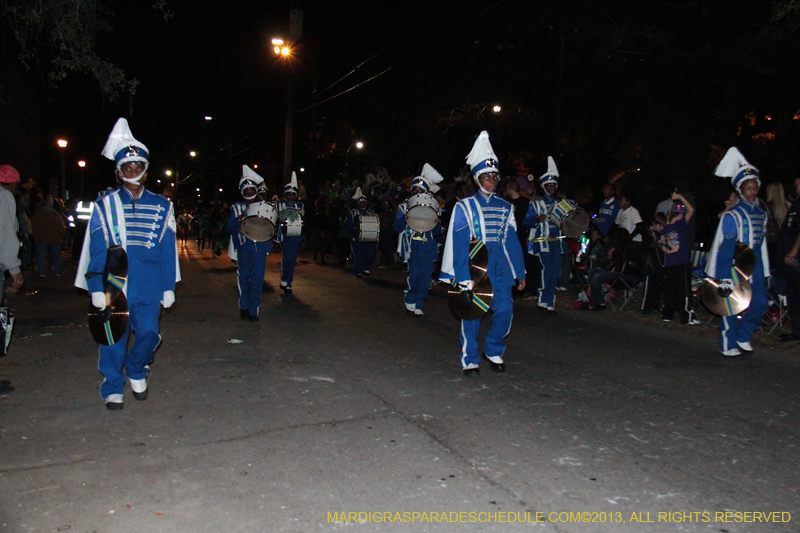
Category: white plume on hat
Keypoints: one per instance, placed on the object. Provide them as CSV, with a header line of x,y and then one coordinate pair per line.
x,y
551,176
248,174
292,185
119,140
482,159
358,195
431,177
736,167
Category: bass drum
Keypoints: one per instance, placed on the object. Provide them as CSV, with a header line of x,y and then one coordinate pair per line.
x,y
423,212
571,219
260,221
368,228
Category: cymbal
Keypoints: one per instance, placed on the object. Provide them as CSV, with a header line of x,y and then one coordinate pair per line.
x,y
744,260
108,326
478,261
731,305
481,300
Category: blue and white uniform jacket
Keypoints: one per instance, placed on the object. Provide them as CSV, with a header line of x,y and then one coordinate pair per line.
x,y
289,211
746,223
542,230
491,220
406,234
145,228
235,231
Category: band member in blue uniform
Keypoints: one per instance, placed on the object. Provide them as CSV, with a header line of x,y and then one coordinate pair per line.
x,y
419,249
143,223
746,222
251,255
545,237
291,214
364,251
489,218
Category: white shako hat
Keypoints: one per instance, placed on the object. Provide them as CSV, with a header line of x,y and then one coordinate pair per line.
x,y
482,159
551,176
292,185
249,179
122,148
358,196
428,179
736,167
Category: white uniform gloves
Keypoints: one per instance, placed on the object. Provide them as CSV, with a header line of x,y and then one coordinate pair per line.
x,y
99,300
169,299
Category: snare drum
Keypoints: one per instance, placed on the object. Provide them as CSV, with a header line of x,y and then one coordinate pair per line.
x,y
260,221
292,222
368,228
423,212
571,219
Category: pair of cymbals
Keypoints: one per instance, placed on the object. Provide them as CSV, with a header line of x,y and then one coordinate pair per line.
x,y
108,325
729,302
482,292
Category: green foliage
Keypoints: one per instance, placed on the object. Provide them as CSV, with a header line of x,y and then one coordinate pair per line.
x,y
58,37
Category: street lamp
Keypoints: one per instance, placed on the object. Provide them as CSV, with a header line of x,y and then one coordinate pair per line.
x,y
284,50
357,144
82,165
62,144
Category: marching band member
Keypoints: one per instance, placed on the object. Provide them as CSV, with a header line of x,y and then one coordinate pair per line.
x,y
290,210
419,250
251,255
745,222
545,237
489,218
364,252
143,223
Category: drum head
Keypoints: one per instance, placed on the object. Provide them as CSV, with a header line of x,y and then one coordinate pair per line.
x,y
258,229
108,326
422,218
481,301
575,223
738,301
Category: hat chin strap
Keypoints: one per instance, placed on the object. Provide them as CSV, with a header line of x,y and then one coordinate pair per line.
x,y
136,179
484,191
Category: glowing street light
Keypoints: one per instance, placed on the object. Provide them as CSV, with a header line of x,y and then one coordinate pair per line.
x,y
62,144
208,118
168,172
192,153
282,49
82,165
357,144
497,109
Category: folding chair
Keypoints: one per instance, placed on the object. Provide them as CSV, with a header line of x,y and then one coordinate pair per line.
x,y
629,284
777,314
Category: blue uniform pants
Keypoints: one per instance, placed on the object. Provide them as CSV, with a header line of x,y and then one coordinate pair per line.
x,y
250,277
420,268
364,255
290,246
551,268
143,320
732,329
494,344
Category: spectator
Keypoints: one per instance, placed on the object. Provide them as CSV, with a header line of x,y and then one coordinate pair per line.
x,y
607,212
673,242
48,226
629,219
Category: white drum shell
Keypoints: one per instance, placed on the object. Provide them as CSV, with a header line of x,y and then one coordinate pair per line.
x,y
422,213
261,219
368,228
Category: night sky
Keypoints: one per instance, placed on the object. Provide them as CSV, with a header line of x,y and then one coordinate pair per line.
x,y
620,85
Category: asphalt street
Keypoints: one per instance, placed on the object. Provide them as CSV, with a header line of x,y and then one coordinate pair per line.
x,y
337,401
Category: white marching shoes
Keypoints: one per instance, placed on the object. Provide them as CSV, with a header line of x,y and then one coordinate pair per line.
x,y
733,352
139,388
418,312
411,307
745,346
